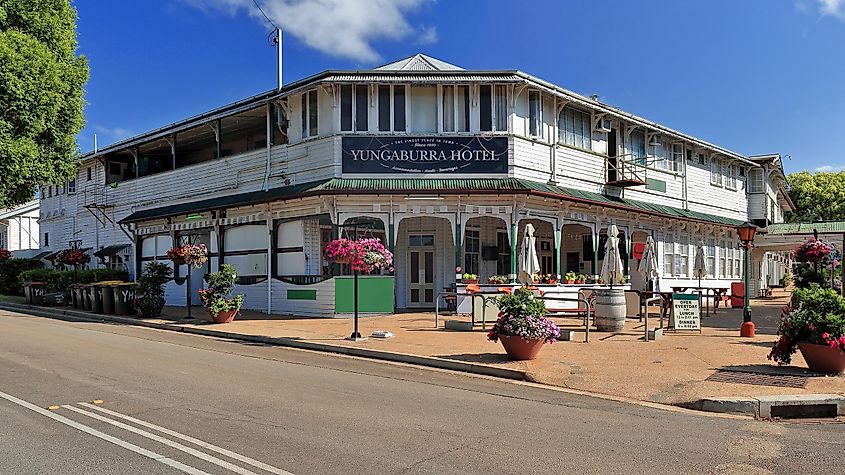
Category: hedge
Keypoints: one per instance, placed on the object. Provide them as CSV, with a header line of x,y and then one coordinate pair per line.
x,y
10,269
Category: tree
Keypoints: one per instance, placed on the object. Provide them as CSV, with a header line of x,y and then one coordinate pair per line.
x,y
41,96
817,197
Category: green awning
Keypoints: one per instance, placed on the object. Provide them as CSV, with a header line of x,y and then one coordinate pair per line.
x,y
426,185
112,250
823,227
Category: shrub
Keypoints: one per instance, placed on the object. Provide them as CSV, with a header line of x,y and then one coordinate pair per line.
x,y
60,280
815,315
216,298
10,270
149,292
524,316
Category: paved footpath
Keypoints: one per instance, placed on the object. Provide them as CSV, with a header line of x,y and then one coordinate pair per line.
x,y
175,403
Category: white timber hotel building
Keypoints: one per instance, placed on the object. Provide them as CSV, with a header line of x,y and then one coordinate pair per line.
x,y
445,165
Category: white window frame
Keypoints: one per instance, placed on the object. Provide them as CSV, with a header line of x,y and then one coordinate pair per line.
x,y
455,108
392,107
715,172
71,186
354,99
723,259
730,178
755,181
668,255
578,127
537,122
710,256
684,251
305,114
467,237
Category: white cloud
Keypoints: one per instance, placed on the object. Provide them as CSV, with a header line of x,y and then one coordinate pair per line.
x,y
343,28
834,8
829,168
114,133
428,35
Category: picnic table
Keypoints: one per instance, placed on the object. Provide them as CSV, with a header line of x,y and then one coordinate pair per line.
x,y
666,306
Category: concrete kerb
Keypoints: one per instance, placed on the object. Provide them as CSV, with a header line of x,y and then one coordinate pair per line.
x,y
761,406
71,315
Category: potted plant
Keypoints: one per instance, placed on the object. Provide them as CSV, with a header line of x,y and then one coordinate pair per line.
x,y
364,255
217,297
149,291
469,278
193,255
581,279
497,279
550,279
569,278
814,323
522,326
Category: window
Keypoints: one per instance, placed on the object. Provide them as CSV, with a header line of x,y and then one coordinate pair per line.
x,y
702,158
729,254
669,255
575,128
89,173
723,268
677,156
638,146
309,114
46,239
362,107
346,106
503,263
535,114
455,108
354,108
715,172
49,192
493,105
737,262
730,178
711,257
684,255
391,108
71,186
472,250
755,180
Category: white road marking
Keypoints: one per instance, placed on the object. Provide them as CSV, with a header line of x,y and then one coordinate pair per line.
x,y
187,438
100,435
188,450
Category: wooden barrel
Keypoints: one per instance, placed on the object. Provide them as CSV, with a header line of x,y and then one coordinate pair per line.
x,y
610,310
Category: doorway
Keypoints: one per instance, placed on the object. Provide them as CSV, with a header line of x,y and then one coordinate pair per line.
x,y
612,161
421,277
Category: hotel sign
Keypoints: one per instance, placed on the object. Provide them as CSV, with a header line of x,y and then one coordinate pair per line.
x,y
425,155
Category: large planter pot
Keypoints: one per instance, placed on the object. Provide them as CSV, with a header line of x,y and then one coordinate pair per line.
x,y
823,358
223,317
610,310
519,348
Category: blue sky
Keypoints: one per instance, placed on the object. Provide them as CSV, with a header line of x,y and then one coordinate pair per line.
x,y
755,76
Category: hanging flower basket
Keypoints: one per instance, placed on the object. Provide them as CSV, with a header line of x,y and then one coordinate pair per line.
x,y
814,251
72,257
194,255
5,254
364,255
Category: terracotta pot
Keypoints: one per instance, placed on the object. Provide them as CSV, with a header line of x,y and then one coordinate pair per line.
x,y
823,358
568,281
470,281
178,262
519,348
552,282
223,317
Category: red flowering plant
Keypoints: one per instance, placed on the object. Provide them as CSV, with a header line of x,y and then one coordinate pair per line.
x,y
5,254
815,315
815,251
72,257
364,255
195,255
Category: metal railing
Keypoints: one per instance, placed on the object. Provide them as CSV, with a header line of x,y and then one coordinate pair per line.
x,y
587,307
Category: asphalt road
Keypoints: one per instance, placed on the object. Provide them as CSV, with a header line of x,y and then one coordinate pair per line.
x,y
173,403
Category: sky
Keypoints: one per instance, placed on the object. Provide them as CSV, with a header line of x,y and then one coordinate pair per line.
x,y
753,76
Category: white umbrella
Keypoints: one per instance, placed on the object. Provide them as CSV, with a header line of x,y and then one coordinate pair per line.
x,y
648,263
699,269
529,263
611,269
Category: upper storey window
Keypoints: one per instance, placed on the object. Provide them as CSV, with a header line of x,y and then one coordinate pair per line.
x,y
638,146
455,107
755,180
493,108
309,114
574,128
354,108
535,114
391,108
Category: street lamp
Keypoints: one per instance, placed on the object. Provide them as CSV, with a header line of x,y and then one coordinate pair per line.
x,y
746,233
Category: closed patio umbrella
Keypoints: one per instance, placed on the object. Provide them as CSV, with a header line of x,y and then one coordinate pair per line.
x,y
529,263
699,268
648,263
611,269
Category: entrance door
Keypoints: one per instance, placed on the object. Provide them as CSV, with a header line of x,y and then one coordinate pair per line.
x,y
421,271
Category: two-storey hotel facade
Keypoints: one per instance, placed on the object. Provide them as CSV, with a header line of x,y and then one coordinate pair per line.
x,y
445,165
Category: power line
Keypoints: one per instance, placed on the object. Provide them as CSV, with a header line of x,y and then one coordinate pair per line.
x,y
265,15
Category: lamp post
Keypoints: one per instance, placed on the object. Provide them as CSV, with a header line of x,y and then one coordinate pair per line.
x,y
746,233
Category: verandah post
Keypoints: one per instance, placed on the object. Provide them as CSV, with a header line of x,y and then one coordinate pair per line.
x,y
512,276
558,271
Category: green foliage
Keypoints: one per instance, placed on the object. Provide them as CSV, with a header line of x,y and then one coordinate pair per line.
x,y
813,312
523,315
60,280
42,84
149,292
216,297
817,197
10,270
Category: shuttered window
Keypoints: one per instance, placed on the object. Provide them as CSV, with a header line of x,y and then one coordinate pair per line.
x,y
574,128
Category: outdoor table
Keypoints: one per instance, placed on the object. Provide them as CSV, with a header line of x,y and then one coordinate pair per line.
x,y
718,294
667,300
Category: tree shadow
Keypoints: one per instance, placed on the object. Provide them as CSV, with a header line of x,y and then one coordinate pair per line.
x,y
484,358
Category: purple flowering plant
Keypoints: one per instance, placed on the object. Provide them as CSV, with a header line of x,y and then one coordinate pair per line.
x,y
524,316
816,251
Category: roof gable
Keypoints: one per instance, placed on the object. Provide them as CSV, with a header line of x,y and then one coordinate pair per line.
x,y
419,62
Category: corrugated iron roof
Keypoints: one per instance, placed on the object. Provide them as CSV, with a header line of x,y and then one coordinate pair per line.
x,y
418,79
419,62
823,227
433,185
